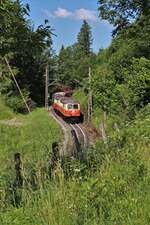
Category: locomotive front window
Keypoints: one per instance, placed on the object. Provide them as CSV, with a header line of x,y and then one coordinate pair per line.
x,y
75,106
70,106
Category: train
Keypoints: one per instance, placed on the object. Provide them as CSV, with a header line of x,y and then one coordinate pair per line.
x,y
68,108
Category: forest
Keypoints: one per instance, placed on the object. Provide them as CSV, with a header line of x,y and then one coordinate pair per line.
x,y
112,185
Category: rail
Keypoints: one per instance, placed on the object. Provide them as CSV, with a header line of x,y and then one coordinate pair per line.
x,y
71,139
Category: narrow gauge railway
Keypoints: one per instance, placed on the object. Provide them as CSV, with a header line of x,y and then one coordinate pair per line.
x,y
68,114
81,135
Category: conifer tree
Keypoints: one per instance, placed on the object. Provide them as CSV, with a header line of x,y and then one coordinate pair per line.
x,y
84,39
74,61
65,65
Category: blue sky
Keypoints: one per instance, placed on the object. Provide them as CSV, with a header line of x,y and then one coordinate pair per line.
x,y
66,17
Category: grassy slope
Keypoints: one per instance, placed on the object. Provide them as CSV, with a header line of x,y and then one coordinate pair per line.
x,y
32,136
5,112
115,190
119,190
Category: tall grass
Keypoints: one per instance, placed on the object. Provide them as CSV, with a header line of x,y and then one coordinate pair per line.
x,y
5,112
110,187
31,136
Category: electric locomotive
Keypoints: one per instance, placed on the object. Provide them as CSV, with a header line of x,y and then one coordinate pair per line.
x,y
66,107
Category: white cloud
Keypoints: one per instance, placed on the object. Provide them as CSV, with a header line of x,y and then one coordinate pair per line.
x,y
86,14
79,14
64,13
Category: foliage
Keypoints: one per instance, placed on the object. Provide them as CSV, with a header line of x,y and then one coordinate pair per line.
x,y
128,96
84,39
120,80
15,102
120,13
74,61
28,50
81,97
138,80
66,66
102,86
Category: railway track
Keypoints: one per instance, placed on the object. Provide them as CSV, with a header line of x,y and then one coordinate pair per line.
x,y
81,135
75,137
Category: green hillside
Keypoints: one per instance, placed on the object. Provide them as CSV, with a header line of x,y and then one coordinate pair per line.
x,y
111,187
5,111
31,136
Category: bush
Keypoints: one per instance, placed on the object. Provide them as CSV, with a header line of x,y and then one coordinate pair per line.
x,y
16,102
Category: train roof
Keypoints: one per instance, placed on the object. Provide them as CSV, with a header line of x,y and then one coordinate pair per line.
x,y
66,100
58,95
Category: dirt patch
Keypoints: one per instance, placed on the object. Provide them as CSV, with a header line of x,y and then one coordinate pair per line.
x,y
92,132
12,122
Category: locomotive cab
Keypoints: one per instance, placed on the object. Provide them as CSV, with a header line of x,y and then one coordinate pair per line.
x,y
67,107
73,107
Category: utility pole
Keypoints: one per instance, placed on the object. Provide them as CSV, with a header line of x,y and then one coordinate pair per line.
x,y
46,85
90,103
20,92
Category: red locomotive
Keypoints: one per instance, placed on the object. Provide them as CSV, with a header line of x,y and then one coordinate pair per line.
x,y
66,106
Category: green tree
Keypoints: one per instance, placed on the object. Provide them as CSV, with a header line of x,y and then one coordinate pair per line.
x,y
103,87
84,40
83,54
27,49
138,81
66,66
74,61
120,13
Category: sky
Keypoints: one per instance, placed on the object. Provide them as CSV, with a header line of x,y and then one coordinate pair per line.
x,y
66,17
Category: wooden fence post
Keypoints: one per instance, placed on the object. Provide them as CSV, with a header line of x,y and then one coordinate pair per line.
x,y
18,183
102,126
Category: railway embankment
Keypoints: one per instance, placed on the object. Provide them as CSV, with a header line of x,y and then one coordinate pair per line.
x,y
77,136
66,146
71,142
